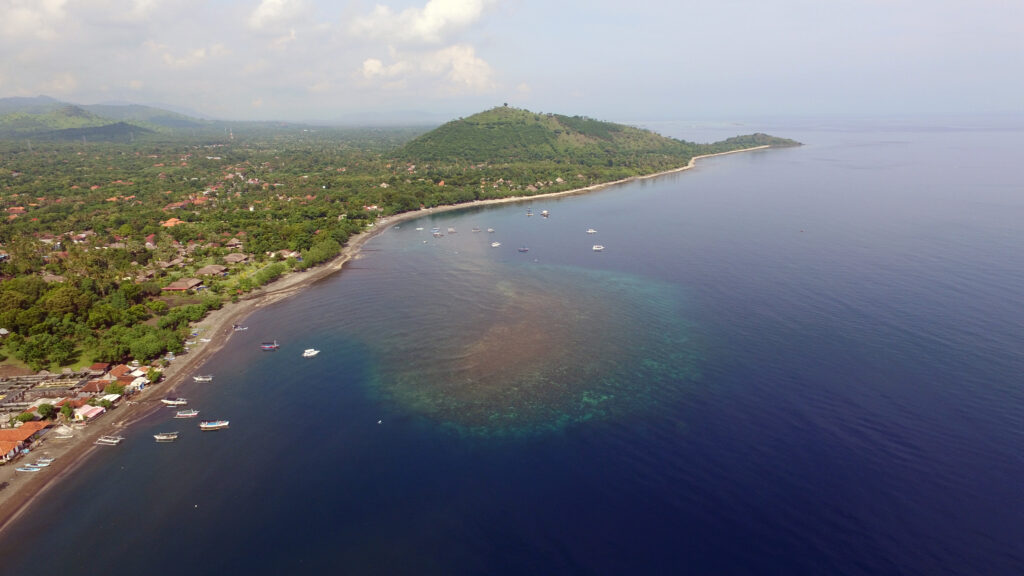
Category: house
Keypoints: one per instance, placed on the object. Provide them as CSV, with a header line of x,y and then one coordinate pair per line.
x,y
94,386
12,441
120,370
235,258
171,222
183,285
101,367
87,413
211,270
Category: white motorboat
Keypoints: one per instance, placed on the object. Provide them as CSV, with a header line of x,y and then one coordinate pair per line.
x,y
310,352
598,247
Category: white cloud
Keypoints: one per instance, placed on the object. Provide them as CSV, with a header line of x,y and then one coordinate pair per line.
x,y
431,24
271,14
189,59
64,83
457,66
31,18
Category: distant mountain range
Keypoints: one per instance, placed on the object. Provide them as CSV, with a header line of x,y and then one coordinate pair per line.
x,y
46,118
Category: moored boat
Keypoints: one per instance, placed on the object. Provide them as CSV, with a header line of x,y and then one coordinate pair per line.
x,y
490,230
213,424
174,401
269,345
523,248
108,440
495,244
239,328
544,213
598,247
204,378
166,436
191,413
591,231
310,352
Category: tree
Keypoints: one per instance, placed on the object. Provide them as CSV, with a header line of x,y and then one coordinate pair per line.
x,y
46,411
67,411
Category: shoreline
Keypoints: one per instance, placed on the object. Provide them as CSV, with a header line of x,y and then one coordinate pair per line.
x,y
19,491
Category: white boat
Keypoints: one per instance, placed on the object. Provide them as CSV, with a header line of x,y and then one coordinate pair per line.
x,y
28,469
108,440
213,424
475,229
39,464
544,213
495,244
205,378
191,413
45,460
166,436
204,339
591,231
451,230
310,352
490,230
174,401
598,247
239,328
420,228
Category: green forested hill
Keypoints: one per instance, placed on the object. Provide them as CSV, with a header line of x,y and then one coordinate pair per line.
x,y
511,135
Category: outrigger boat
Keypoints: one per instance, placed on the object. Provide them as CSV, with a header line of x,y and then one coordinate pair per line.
x,y
213,424
174,401
206,378
186,413
269,345
108,440
166,436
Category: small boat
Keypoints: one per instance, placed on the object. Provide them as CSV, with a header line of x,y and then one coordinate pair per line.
x,y
598,247
204,339
39,464
45,460
190,413
174,401
310,352
419,228
108,440
524,249
451,230
529,212
495,244
239,328
206,378
475,229
544,213
269,345
490,230
28,469
591,231
213,424
166,436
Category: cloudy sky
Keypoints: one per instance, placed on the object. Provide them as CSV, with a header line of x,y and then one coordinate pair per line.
x,y
615,60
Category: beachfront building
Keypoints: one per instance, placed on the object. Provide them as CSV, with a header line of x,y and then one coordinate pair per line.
x,y
184,285
88,413
13,441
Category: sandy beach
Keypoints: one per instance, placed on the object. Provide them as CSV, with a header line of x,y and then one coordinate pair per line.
x,y
19,490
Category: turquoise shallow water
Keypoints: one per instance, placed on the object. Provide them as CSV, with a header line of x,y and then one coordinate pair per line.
x,y
797,361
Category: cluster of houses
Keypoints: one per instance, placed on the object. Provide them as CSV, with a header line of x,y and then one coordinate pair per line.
x,y
86,392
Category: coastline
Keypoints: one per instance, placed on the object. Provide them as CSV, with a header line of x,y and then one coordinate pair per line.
x,y
19,491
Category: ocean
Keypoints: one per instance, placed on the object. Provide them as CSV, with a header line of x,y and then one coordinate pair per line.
x,y
793,361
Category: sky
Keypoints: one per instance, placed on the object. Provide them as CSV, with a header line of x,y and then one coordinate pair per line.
x,y
327,61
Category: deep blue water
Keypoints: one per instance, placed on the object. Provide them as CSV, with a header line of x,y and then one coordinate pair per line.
x,y
798,361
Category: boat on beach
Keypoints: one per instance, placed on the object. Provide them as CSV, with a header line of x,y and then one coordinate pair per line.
x,y
269,345
108,440
166,436
174,401
213,425
45,460
310,352
205,378
28,469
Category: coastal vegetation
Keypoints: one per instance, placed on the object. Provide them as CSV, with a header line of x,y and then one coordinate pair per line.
x,y
124,225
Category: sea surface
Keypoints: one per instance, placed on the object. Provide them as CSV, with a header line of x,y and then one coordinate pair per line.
x,y
794,361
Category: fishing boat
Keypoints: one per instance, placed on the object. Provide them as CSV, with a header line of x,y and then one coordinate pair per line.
x,y
108,440
598,247
490,230
495,244
239,328
166,436
544,213
213,424
529,212
45,460
39,464
204,340
419,228
475,229
591,231
269,345
28,469
310,352
174,401
451,230
205,378
524,249
190,413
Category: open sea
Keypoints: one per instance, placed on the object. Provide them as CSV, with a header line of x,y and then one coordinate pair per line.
x,y
800,361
